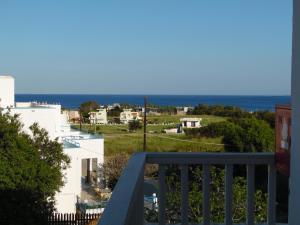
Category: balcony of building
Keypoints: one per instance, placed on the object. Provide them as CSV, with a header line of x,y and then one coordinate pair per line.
x,y
127,203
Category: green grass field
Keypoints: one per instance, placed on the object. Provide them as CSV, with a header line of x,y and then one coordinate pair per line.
x,y
117,138
206,119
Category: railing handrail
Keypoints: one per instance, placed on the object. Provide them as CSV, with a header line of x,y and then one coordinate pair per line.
x,y
257,158
128,190
120,205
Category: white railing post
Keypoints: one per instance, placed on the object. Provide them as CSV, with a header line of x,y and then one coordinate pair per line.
x,y
184,195
294,198
206,194
250,194
228,194
162,195
271,195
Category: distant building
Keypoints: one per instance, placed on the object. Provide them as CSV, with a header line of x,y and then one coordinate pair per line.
x,y
7,92
180,111
177,130
283,121
127,115
99,117
73,115
183,110
190,122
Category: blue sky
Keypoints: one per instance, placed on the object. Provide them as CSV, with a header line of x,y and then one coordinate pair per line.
x,y
147,47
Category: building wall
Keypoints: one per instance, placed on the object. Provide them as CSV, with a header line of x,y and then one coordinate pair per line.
x,y
189,124
294,203
47,118
99,117
127,115
283,122
7,91
89,149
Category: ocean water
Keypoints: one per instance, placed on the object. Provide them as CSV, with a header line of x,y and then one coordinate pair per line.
x,y
250,103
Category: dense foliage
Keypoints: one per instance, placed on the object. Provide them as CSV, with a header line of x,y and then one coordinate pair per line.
x,y
249,135
31,172
233,112
113,168
134,125
87,107
240,135
115,112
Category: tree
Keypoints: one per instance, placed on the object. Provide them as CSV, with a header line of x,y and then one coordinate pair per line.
x,y
115,112
249,135
87,107
113,168
239,135
31,172
134,125
267,116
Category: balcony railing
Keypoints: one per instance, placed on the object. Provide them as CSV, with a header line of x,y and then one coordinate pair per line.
x,y
126,206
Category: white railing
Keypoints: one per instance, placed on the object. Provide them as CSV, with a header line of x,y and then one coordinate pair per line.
x,y
126,206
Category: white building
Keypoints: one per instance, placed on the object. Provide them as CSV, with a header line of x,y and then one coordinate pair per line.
x,y
191,122
99,117
72,115
80,147
127,115
7,91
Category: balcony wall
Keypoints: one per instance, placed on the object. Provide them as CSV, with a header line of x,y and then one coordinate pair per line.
x,y
127,203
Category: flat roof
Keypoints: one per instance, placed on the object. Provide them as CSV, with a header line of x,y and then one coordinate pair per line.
x,y
6,77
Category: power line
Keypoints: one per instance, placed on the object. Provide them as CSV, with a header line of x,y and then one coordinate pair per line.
x,y
195,142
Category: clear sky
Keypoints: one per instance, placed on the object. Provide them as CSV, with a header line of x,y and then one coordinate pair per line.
x,y
147,46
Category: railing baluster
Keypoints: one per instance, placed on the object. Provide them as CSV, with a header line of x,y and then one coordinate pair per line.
x,y
206,194
271,194
228,195
162,194
139,209
250,194
184,195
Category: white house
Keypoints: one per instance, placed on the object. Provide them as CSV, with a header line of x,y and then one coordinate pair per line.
x,y
127,115
191,122
80,147
99,117
72,115
7,91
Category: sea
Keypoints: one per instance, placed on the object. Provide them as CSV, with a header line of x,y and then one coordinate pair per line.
x,y
249,103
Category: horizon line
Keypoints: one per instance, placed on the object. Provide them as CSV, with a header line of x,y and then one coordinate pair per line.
x,y
250,95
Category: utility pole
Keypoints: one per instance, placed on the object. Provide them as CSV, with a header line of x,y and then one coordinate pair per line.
x,y
145,123
80,121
